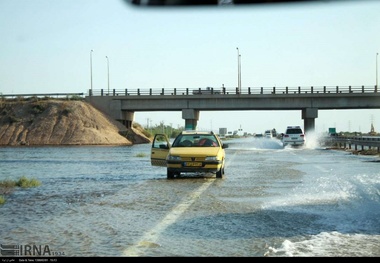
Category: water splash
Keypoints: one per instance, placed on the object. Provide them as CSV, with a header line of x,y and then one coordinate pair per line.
x,y
313,140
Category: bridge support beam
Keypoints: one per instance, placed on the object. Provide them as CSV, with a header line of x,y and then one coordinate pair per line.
x,y
308,116
191,117
127,118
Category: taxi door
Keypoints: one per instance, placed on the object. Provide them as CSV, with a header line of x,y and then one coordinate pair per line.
x,y
160,150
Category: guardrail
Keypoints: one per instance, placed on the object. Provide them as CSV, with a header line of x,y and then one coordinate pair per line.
x,y
210,91
39,95
364,142
236,91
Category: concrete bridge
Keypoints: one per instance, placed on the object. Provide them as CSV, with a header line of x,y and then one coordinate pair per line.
x,y
122,104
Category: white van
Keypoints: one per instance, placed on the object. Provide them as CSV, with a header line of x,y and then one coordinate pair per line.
x,y
268,134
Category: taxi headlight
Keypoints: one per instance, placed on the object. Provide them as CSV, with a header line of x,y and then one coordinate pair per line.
x,y
211,158
174,158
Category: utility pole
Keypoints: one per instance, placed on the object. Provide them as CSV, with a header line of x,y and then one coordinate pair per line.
x,y
108,71
377,54
239,70
91,67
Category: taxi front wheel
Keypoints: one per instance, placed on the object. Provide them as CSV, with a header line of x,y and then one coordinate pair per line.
x,y
170,174
220,173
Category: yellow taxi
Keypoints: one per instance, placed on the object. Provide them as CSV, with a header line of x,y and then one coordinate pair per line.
x,y
190,152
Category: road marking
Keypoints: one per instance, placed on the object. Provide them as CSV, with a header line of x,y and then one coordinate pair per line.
x,y
153,235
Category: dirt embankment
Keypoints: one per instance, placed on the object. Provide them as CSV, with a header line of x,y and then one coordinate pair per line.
x,y
62,122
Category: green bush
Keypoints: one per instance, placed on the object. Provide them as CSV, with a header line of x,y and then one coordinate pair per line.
x,y
24,182
6,186
76,97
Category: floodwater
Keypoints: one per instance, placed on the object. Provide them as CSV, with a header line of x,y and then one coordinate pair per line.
x,y
274,202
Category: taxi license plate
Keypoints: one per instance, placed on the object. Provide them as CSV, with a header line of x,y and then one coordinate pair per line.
x,y
193,164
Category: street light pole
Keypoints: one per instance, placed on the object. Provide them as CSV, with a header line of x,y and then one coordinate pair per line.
x,y
377,54
91,67
239,74
108,74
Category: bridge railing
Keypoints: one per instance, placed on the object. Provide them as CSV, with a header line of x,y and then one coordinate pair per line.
x,y
368,142
236,91
41,95
209,91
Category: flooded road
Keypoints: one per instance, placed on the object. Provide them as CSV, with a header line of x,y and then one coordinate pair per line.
x,y
273,202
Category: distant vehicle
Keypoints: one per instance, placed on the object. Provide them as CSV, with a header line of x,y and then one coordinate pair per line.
x,y
191,151
207,90
268,134
293,136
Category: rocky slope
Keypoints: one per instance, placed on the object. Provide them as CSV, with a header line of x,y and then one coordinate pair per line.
x,y
61,122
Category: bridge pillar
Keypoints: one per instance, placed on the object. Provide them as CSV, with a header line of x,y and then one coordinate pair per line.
x,y
127,118
191,117
308,116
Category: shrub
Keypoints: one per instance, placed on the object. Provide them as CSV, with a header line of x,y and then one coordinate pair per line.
x,y
24,182
14,119
67,111
76,97
38,107
6,186
7,183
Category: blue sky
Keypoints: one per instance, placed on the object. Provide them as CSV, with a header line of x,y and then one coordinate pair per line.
x,y
45,48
